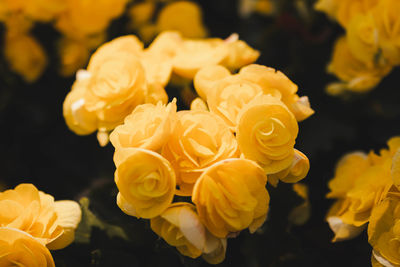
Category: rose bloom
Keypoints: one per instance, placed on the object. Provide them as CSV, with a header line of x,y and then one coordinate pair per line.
x,y
148,126
227,94
145,180
115,88
180,227
266,133
18,248
355,75
230,196
51,222
200,139
25,56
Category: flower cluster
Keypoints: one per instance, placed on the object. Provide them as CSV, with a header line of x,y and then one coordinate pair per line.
x,y
200,175
370,48
121,75
366,187
82,24
31,223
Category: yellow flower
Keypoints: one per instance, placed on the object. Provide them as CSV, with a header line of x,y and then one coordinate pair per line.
x,y
25,56
73,56
115,88
297,170
149,127
180,226
36,213
182,16
18,248
266,133
344,10
354,74
194,54
384,231
77,117
227,94
145,180
230,196
199,140
88,17
44,10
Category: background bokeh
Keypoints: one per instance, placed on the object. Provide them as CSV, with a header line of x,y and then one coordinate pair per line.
x,y
37,147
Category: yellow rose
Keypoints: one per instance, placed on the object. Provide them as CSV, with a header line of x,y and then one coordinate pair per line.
x,y
182,16
384,231
354,74
36,213
230,196
297,170
149,127
115,88
180,226
199,140
25,56
227,94
266,133
18,248
78,118
145,180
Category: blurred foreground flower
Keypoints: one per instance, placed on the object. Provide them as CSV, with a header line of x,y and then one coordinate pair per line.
x,y
366,189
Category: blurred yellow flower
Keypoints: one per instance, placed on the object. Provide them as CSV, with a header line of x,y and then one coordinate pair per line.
x,y
266,133
73,56
182,16
51,222
18,248
354,74
148,126
44,10
145,180
25,56
344,10
230,196
199,140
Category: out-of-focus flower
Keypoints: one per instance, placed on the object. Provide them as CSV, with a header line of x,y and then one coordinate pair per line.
x,y
149,127
344,10
44,10
230,196
25,56
73,56
182,16
266,133
200,139
355,75
19,248
145,180
300,214
51,222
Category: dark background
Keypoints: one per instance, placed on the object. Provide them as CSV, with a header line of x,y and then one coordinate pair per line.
x,y
37,147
